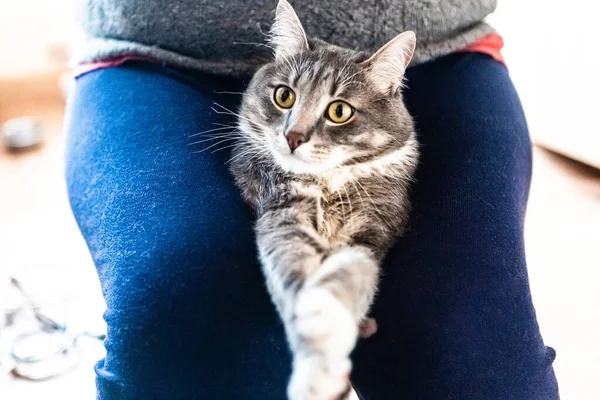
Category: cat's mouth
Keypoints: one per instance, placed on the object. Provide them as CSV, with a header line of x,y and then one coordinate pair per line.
x,y
306,159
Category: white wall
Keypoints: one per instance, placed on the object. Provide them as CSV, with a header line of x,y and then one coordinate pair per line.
x,y
553,52
28,28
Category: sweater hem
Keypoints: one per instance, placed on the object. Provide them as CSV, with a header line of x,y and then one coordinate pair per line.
x,y
97,50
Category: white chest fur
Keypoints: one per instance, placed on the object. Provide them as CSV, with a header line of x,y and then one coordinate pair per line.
x,y
340,197
389,164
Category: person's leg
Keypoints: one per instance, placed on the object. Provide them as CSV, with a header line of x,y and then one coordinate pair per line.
x,y
454,311
187,312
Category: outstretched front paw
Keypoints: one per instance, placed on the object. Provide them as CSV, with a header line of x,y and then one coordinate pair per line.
x,y
315,378
324,325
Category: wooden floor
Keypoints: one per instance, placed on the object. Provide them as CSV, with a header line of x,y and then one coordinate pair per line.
x,y
40,243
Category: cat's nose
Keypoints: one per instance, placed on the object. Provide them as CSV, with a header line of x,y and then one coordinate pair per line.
x,y
295,139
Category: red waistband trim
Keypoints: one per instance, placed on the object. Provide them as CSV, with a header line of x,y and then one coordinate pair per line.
x,y
491,45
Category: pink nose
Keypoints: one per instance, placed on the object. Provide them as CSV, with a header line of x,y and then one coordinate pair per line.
x,y
295,139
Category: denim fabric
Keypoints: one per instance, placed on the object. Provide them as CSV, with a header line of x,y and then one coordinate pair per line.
x,y
187,311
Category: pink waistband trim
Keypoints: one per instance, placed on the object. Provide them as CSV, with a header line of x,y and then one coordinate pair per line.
x,y
111,62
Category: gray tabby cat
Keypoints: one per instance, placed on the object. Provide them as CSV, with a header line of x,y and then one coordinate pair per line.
x,y
325,159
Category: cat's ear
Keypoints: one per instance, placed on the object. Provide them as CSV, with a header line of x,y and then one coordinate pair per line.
x,y
287,35
386,67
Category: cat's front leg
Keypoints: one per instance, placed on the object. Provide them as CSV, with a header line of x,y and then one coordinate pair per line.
x,y
320,296
338,294
290,251
330,306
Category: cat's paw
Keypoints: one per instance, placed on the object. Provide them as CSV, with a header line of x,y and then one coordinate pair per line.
x,y
324,324
315,378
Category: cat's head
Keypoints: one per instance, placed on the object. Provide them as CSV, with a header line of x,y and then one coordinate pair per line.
x,y
316,107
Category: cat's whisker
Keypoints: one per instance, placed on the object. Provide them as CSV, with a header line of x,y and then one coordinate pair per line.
x,y
213,138
222,124
216,144
225,108
342,71
265,34
223,112
211,130
349,203
256,44
227,92
397,141
224,147
291,66
254,157
235,132
352,180
229,112
249,151
349,78
372,202
342,204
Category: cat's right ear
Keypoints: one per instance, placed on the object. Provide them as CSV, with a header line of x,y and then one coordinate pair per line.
x,y
287,35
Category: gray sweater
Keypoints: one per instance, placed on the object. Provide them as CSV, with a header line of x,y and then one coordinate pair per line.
x,y
225,37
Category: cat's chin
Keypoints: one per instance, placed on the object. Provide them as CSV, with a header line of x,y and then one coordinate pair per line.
x,y
297,164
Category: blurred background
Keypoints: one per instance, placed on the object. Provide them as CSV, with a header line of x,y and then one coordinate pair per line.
x,y
50,301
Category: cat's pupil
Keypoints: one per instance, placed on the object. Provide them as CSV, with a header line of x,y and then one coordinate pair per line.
x,y
339,111
285,95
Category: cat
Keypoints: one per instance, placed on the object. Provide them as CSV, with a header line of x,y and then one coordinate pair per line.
x,y
325,159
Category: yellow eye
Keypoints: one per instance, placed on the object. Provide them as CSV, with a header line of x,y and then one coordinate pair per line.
x,y
339,112
285,97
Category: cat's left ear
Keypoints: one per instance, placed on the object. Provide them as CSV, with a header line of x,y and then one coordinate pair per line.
x,y
386,67
287,35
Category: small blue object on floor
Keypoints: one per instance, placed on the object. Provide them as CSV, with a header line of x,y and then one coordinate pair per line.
x,y
187,311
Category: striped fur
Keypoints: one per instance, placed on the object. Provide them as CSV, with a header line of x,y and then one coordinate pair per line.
x,y
327,212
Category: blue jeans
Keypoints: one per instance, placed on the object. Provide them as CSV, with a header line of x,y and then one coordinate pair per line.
x,y
187,311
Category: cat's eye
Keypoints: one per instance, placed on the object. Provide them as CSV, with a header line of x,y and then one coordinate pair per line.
x,y
284,97
339,112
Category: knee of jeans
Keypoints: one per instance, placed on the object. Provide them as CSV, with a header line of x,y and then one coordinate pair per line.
x,y
151,265
164,299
